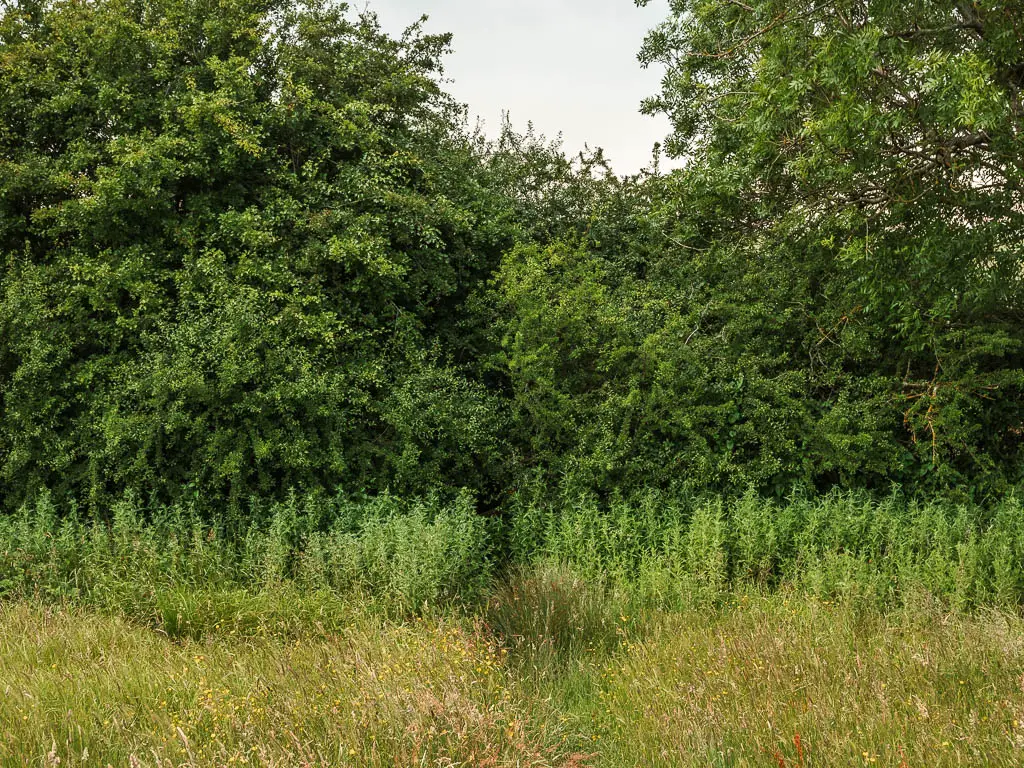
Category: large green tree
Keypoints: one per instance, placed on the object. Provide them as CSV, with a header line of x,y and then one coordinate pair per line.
x,y
877,146
235,237
830,291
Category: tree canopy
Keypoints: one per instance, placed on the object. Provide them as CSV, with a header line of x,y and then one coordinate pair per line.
x,y
248,245
235,238
829,292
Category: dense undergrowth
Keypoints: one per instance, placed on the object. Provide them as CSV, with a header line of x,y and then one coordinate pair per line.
x,y
403,556
841,544
414,556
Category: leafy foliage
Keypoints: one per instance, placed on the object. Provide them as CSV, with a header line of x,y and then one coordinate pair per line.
x,y
399,556
831,292
669,549
876,150
249,245
235,237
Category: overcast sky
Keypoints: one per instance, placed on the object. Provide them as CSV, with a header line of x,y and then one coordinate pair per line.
x,y
568,65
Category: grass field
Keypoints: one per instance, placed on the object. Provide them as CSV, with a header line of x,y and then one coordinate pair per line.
x,y
548,672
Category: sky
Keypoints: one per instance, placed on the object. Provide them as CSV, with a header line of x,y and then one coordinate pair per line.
x,y
569,66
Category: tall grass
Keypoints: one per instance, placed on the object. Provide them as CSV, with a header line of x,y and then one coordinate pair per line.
x,y
784,681
86,690
788,681
170,566
842,630
671,550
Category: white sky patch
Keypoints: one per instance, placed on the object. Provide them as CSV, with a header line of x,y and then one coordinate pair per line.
x,y
569,66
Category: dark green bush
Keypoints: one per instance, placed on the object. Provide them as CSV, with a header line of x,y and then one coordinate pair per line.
x,y
235,238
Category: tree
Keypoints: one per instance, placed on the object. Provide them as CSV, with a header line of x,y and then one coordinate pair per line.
x,y
828,293
874,149
234,237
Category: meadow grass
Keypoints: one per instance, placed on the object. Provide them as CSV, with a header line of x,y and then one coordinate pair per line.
x,y
659,632
558,678
794,682
81,689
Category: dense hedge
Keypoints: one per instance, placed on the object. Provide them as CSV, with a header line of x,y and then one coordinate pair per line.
x,y
235,238
831,292
247,246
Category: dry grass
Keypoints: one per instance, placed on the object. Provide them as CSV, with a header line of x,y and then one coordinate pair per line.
x,y
782,681
85,690
791,682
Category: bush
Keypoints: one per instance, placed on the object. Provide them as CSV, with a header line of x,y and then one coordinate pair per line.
x,y
235,240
